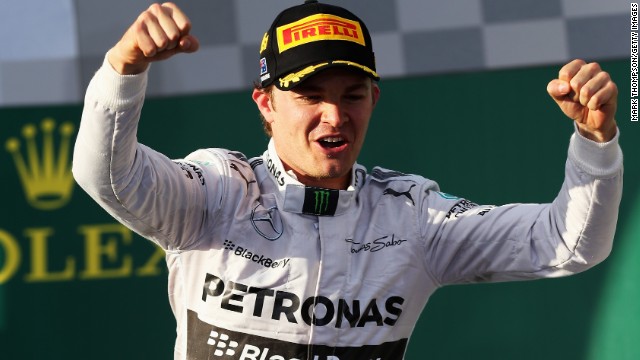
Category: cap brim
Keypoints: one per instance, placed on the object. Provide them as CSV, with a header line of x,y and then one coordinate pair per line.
x,y
293,79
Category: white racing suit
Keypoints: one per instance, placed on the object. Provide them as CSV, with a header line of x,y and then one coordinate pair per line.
x,y
262,267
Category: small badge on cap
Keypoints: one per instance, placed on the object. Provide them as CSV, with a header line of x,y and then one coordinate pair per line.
x,y
263,66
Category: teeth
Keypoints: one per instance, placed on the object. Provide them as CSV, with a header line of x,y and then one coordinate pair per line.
x,y
332,139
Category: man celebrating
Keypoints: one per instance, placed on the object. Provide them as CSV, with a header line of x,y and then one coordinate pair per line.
x,y
301,253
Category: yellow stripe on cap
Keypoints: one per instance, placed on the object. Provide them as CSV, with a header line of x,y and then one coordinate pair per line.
x,y
362,67
296,76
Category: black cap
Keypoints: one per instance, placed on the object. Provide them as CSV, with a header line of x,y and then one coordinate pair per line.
x,y
307,38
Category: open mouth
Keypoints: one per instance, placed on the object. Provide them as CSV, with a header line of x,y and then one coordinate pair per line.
x,y
331,142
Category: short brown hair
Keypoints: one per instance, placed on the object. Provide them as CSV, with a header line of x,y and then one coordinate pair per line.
x,y
266,126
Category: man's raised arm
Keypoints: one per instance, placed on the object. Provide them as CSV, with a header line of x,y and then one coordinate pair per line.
x,y
529,241
145,190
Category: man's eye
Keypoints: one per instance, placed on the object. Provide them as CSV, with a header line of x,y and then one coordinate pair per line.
x,y
354,97
310,98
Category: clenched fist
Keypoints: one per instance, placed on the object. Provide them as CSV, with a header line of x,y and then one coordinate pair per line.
x,y
587,95
158,33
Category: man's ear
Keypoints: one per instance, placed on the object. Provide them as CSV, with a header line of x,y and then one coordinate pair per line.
x,y
375,93
263,100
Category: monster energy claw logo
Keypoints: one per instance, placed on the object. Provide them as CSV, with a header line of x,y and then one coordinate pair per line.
x,y
322,201
318,201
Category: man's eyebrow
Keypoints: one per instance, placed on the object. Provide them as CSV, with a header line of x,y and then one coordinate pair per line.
x,y
307,88
358,86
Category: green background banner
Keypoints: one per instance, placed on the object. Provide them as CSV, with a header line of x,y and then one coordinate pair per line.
x,y
76,285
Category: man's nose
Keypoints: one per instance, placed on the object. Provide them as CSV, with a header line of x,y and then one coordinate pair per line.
x,y
333,114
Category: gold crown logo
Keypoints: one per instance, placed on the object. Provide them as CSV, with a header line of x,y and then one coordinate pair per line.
x,y
46,178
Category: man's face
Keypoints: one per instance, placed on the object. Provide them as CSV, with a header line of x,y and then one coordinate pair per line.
x,y
319,127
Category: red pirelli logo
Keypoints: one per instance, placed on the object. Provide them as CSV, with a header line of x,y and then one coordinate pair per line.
x,y
317,28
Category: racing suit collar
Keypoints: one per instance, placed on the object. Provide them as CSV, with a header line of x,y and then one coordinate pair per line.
x,y
299,198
